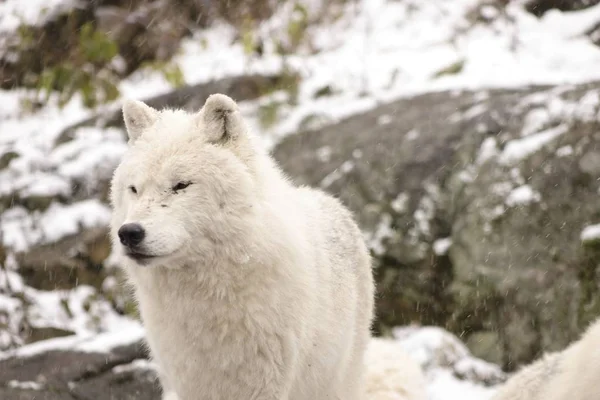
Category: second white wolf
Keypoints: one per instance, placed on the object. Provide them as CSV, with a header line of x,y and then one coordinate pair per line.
x,y
572,374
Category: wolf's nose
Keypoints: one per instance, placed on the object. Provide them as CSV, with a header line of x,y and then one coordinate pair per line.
x,y
131,234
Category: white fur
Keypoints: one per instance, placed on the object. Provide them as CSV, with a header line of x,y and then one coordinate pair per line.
x,y
573,374
170,396
391,373
257,289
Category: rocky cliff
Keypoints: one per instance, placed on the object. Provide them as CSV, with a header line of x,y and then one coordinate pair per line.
x,y
464,136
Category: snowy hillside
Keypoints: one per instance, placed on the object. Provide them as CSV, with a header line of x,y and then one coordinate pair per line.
x,y
351,59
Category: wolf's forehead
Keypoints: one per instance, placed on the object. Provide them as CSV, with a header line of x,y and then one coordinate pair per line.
x,y
175,120
156,172
160,155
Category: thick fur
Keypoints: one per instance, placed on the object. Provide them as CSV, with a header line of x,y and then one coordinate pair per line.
x,y
392,374
529,382
257,289
573,374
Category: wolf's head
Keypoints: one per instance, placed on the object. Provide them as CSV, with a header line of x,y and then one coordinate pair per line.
x,y
186,188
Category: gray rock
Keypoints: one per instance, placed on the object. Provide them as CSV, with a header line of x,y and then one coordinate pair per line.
x,y
121,373
473,204
540,7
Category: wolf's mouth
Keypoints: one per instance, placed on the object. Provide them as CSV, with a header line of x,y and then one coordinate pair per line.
x,y
140,257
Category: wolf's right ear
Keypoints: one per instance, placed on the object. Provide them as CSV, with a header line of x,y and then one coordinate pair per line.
x,y
138,117
220,118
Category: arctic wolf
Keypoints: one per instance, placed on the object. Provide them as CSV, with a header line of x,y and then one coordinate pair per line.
x,y
573,374
249,287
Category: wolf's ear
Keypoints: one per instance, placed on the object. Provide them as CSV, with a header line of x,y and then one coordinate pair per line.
x,y
138,117
220,118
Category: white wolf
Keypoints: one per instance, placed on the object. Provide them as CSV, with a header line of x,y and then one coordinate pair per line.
x,y
249,287
572,374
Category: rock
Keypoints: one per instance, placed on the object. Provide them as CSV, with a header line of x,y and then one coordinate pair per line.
x,y
473,204
6,158
27,394
540,7
82,376
126,382
44,333
74,260
589,163
486,344
107,367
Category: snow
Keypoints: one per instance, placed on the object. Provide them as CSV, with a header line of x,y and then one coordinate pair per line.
x,y
383,231
79,310
522,195
31,12
134,365
424,214
11,314
21,230
24,385
337,174
451,371
519,149
46,185
384,119
535,121
127,334
401,46
92,153
412,134
441,246
324,153
564,151
400,203
105,342
487,151
591,233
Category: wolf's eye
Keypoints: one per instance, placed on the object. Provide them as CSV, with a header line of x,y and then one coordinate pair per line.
x,y
181,186
133,189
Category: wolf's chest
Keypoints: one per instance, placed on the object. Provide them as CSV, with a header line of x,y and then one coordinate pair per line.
x,y
202,344
205,325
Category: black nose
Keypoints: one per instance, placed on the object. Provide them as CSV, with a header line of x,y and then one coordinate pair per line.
x,y
131,234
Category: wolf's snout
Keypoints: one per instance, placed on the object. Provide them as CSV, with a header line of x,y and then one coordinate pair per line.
x,y
131,234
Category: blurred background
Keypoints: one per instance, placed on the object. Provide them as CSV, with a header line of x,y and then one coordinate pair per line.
x,y
464,134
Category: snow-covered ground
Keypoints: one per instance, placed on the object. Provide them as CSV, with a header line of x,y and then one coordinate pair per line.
x,y
376,51
450,371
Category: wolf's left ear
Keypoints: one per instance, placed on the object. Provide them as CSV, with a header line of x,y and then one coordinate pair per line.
x,y
138,117
221,119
